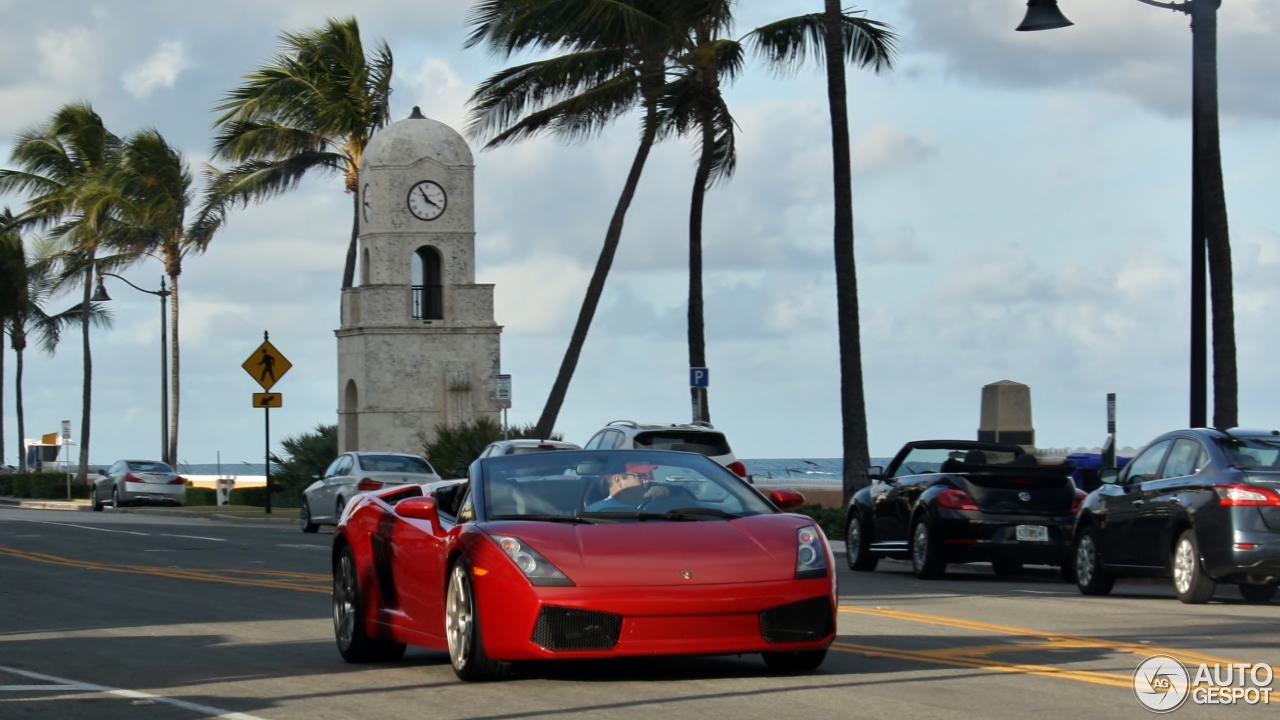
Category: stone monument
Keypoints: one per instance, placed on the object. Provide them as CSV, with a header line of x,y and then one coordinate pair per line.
x,y
418,345
1006,414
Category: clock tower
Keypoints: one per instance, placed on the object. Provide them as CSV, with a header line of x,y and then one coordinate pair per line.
x,y
418,346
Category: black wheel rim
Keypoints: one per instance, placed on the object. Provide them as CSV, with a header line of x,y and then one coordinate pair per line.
x,y
920,548
344,602
304,515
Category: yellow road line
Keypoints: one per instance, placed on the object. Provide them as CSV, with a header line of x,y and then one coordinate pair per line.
x,y
1189,656
934,658
172,573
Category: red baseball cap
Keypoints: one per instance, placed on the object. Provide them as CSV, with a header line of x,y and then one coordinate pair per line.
x,y
640,467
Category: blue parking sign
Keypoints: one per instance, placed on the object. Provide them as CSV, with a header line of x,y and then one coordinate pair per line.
x,y
699,377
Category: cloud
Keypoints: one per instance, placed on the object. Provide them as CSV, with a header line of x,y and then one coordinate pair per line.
x,y
159,70
885,147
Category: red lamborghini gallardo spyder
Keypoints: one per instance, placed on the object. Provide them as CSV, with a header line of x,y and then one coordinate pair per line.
x,y
583,554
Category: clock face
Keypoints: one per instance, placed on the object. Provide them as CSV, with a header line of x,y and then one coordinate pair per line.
x,y
366,202
427,200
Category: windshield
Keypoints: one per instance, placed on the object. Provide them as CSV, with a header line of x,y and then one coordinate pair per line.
x,y
703,442
1251,452
149,466
603,485
395,463
928,460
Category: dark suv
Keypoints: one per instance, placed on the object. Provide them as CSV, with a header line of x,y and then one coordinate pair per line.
x,y
1202,506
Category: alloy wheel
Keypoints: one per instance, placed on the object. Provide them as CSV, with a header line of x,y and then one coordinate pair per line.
x,y
344,602
1184,566
920,546
1085,559
458,617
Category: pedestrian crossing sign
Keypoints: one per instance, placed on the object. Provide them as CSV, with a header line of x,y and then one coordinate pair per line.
x,y
266,365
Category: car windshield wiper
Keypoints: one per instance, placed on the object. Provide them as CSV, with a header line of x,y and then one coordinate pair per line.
x,y
575,519
689,513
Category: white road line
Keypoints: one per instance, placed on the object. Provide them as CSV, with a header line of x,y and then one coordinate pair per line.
x,y
41,688
87,527
194,537
305,547
64,684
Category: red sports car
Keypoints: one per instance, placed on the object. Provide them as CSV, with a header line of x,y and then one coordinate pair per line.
x,y
583,554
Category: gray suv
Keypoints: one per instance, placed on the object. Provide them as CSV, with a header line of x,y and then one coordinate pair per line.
x,y
698,437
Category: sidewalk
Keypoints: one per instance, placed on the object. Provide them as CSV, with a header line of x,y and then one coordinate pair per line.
x,y
45,504
75,506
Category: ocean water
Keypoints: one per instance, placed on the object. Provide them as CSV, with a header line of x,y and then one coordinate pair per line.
x,y
791,471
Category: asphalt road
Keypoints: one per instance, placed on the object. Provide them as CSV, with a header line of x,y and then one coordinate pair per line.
x,y
135,616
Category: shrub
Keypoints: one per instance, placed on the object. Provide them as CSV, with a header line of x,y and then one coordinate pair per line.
x,y
831,520
40,486
455,446
253,497
305,455
201,496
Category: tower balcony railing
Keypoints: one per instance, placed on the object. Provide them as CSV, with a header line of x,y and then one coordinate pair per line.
x,y
428,302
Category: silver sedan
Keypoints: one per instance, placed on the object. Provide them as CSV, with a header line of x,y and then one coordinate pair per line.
x,y
357,472
129,482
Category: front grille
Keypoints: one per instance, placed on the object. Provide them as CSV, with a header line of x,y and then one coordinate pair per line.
x,y
798,621
560,628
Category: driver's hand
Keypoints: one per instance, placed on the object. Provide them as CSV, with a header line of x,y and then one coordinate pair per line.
x,y
657,491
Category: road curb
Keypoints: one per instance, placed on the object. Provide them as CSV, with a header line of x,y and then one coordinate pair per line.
x,y
44,504
201,516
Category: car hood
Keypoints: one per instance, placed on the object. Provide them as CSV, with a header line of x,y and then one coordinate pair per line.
x,y
759,548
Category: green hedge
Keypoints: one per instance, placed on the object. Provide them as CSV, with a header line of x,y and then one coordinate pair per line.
x,y
831,520
201,496
40,486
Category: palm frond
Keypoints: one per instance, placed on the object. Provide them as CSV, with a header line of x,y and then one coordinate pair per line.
x,y
788,44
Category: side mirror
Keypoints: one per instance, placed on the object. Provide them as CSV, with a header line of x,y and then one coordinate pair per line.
x,y
786,499
464,472
315,476
419,508
102,472
1109,476
875,472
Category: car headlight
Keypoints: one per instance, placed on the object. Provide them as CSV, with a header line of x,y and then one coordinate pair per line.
x,y
538,569
811,561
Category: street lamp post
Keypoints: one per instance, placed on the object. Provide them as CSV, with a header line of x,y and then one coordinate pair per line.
x,y
100,295
1045,15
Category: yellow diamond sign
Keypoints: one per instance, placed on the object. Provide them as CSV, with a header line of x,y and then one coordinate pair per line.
x,y
266,365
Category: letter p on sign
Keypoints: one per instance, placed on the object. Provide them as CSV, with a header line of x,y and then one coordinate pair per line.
x,y
699,377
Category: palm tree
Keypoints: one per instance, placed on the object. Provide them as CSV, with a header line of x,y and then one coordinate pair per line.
x,y
11,270
152,187
835,37
609,57
58,163
28,317
314,106
693,103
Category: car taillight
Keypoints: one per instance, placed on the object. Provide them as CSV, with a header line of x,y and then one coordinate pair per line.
x,y
130,477
1077,502
956,500
1237,495
368,484
178,481
738,468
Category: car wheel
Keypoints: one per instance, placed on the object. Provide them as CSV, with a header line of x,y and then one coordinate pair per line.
x,y
337,510
1189,581
354,643
793,662
1090,577
304,518
925,558
1260,594
1005,567
462,629
858,545
115,497
93,497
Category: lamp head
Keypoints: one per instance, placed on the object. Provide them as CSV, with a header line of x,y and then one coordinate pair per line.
x,y
1043,15
100,294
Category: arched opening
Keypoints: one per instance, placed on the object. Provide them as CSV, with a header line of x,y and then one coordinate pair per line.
x,y
350,417
364,267
428,291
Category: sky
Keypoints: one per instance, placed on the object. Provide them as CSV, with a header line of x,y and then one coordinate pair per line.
x,y
1021,207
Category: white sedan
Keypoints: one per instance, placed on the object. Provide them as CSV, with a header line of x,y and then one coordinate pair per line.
x,y
358,472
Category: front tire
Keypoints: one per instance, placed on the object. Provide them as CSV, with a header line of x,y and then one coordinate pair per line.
x,y
858,545
354,643
1189,581
926,559
462,629
1090,577
1259,594
304,518
794,662
93,495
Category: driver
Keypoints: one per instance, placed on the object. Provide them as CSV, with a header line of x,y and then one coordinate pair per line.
x,y
629,489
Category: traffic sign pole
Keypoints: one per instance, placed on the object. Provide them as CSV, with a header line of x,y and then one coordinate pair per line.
x,y
266,422
266,366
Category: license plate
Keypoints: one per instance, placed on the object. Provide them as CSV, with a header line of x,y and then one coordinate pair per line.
x,y
1033,533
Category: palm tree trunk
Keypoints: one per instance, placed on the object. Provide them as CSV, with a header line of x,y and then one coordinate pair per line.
x,y
853,406
697,328
1208,151
17,399
173,369
82,472
2,334
595,288
349,271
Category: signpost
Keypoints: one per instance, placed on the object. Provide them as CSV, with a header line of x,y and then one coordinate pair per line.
x,y
699,381
1109,448
502,393
266,366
